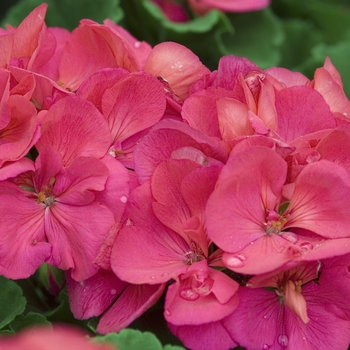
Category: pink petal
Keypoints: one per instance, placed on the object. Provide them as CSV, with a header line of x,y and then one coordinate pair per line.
x,y
209,336
233,119
90,48
228,5
165,256
300,111
93,296
319,202
179,66
23,247
133,302
172,135
249,183
133,104
195,308
67,120
93,88
76,234
27,34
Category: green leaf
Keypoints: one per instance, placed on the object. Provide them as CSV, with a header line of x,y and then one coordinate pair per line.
x,y
131,339
30,319
67,13
297,46
12,302
258,36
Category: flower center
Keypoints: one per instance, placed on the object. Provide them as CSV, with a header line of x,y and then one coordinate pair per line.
x,y
194,255
45,195
274,222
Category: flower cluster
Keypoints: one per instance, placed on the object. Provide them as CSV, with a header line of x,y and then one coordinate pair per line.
x,y
139,172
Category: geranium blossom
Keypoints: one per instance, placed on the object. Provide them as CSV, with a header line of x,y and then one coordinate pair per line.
x,y
249,216
295,311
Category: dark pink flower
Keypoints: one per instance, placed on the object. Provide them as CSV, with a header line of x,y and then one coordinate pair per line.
x,y
294,311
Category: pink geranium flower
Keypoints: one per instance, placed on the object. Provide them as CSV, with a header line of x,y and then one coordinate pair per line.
x,y
51,215
300,308
253,213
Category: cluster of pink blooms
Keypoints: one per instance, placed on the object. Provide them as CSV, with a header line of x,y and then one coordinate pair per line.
x,y
228,190
176,12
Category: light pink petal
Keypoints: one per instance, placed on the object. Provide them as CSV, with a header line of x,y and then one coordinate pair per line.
x,y
133,104
116,189
93,88
179,66
201,111
90,48
6,44
12,169
21,132
300,111
233,119
332,92
164,257
133,302
319,202
229,69
249,183
172,135
76,184
45,91
47,63
26,35
76,234
335,147
209,336
78,123
287,77
170,206
94,295
141,48
23,247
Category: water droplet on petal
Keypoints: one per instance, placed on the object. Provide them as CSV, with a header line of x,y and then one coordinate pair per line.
x,y
81,283
129,223
306,247
282,340
113,291
265,317
153,277
123,199
167,312
137,44
235,261
165,274
290,236
266,346
189,294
